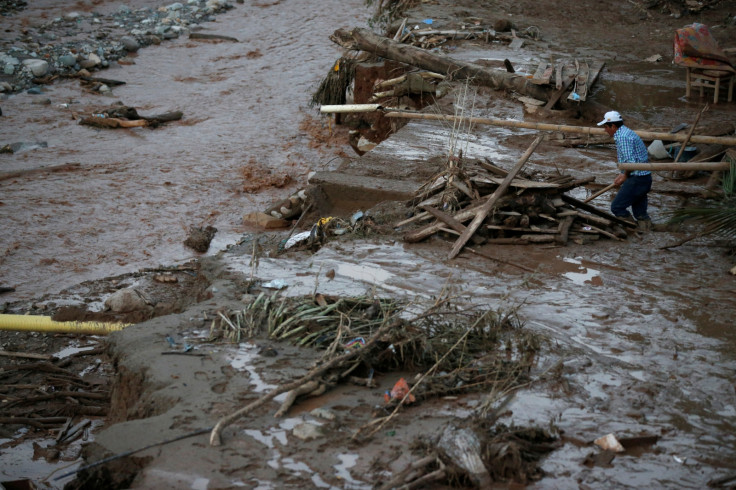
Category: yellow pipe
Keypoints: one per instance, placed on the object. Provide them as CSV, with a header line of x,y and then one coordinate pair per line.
x,y
33,323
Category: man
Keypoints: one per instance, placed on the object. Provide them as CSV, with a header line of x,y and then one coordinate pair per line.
x,y
634,184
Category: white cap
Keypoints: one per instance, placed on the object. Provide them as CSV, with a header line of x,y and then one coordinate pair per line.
x,y
611,117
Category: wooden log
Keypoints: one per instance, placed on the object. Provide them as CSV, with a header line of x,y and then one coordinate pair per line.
x,y
564,230
593,210
25,355
555,97
488,205
422,233
510,123
365,40
445,218
703,166
538,238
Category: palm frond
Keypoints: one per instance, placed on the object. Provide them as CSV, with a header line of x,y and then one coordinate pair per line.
x,y
719,219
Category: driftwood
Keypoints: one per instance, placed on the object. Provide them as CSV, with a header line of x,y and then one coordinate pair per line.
x,y
106,81
128,117
212,37
216,434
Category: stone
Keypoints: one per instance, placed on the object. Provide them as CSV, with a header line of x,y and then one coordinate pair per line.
x,y
67,60
38,67
126,300
307,431
130,44
265,221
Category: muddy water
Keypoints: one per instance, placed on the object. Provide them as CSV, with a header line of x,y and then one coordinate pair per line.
x,y
645,337
136,192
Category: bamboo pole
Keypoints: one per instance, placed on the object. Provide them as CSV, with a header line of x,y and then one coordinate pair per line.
x,y
703,166
510,123
350,108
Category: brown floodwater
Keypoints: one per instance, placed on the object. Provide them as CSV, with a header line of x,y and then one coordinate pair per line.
x,y
136,192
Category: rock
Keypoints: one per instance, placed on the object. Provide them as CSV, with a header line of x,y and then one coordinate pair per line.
x,y
323,413
38,67
126,300
307,431
503,25
130,44
199,239
67,60
265,221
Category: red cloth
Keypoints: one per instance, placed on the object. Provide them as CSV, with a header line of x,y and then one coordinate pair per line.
x,y
695,47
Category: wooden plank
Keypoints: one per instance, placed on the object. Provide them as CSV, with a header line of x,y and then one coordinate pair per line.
x,y
445,218
593,210
543,74
519,183
557,95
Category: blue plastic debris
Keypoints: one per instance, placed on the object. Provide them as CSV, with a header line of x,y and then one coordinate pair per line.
x,y
428,21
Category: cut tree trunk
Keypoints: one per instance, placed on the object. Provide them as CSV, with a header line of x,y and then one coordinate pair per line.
x,y
365,40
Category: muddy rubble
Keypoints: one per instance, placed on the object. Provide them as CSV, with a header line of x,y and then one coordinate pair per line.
x,y
318,345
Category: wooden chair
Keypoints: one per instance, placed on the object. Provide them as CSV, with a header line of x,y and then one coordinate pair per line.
x,y
710,79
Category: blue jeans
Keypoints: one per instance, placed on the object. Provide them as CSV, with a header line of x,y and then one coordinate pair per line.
x,y
633,192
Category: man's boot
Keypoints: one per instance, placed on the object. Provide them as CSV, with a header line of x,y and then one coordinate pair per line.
x,y
644,225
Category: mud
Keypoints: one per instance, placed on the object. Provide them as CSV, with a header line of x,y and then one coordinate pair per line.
x,y
637,340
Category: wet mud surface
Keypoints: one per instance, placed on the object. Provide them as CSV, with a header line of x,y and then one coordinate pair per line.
x,y
635,340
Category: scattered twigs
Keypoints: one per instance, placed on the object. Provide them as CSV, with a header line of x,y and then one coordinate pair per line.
x,y
305,389
216,435
407,473
406,397
25,355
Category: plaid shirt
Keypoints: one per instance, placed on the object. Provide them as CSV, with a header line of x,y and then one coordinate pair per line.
x,y
631,149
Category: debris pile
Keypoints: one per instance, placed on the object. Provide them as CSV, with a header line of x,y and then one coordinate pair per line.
x,y
453,350
48,393
533,211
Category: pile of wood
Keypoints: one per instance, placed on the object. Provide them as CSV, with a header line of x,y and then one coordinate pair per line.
x,y
532,211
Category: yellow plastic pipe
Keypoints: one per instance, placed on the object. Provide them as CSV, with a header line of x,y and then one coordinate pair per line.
x,y
33,323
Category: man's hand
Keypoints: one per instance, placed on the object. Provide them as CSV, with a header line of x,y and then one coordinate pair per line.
x,y
620,178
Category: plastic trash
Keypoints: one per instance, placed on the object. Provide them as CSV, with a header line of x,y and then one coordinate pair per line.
x,y
276,284
428,21
298,238
356,217
575,96
398,392
657,150
356,343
